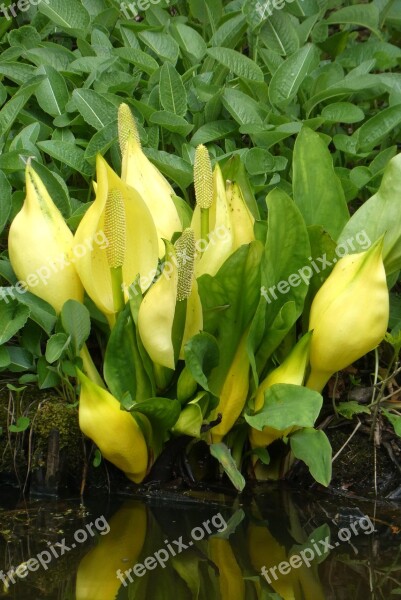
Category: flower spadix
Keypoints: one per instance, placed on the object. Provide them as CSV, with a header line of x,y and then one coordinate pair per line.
x,y
138,172
130,247
171,312
291,370
349,314
114,431
40,247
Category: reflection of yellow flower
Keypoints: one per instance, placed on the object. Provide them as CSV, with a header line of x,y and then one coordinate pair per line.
x,y
231,581
40,247
349,314
292,370
133,238
139,173
113,430
118,549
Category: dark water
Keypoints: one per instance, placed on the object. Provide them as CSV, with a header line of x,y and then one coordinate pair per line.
x,y
200,547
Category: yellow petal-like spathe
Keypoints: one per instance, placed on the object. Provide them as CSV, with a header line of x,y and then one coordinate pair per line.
x,y
40,247
141,253
117,549
220,245
349,314
139,173
114,431
156,313
194,318
291,370
241,217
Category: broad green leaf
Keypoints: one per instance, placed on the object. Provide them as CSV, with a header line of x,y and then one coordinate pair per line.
x,y
171,166
171,122
284,279
67,153
56,187
20,359
137,57
318,192
18,72
40,311
5,203
364,15
173,96
13,317
162,45
286,406
313,448
242,107
161,412
47,376
343,112
95,109
190,41
101,141
67,15
230,32
238,63
279,34
223,455
52,94
75,320
379,215
378,128
210,132
21,425
351,408
201,357
56,345
13,107
287,79
123,367
395,421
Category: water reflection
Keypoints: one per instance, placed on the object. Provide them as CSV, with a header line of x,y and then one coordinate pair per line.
x,y
274,545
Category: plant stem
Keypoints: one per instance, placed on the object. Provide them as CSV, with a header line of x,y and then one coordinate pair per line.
x,y
89,367
117,288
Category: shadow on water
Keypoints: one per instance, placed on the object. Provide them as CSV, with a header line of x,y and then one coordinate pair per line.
x,y
269,544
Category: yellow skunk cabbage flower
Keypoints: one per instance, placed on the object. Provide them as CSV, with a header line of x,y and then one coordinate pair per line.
x,y
234,392
349,314
116,552
114,431
131,246
171,311
242,218
40,247
139,173
291,370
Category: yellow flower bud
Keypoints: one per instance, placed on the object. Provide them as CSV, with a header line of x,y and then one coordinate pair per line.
x,y
291,370
139,173
119,233
114,431
116,551
40,247
349,314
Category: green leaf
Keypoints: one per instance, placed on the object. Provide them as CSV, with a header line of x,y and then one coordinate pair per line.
x,y
137,57
67,153
52,94
13,317
287,405
279,34
56,187
101,141
76,323
171,166
67,15
189,40
291,73
201,356
13,107
395,421
95,109
210,132
6,203
351,408
313,448
223,455
378,128
190,421
173,96
364,15
240,65
40,311
171,122
343,112
161,412
241,107
123,366
56,346
380,215
47,377
161,44
21,425
318,192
